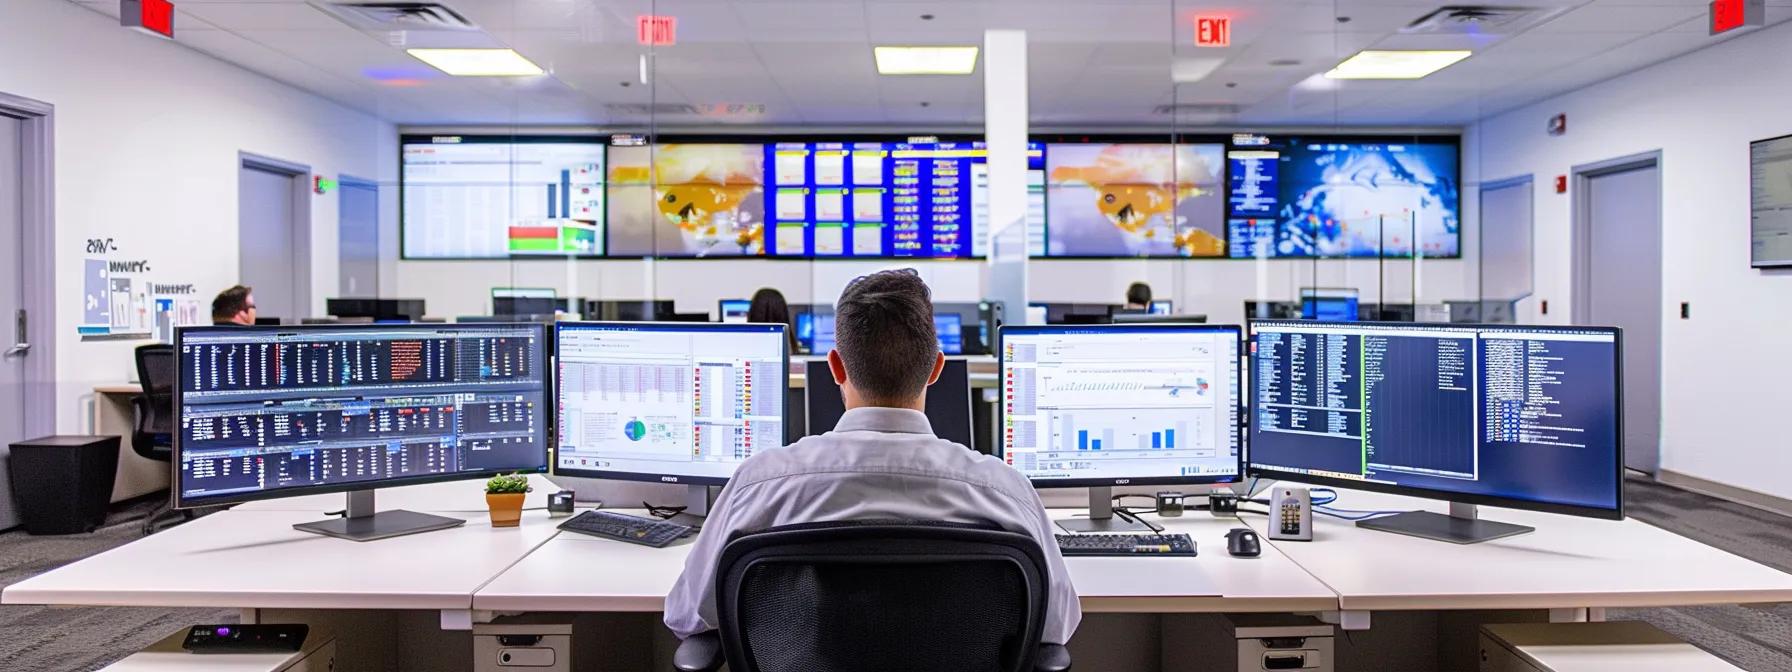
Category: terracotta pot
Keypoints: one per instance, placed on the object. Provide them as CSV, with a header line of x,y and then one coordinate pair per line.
x,y
506,508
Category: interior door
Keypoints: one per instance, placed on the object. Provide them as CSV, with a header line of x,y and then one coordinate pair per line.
x,y
1619,261
12,303
358,239
267,238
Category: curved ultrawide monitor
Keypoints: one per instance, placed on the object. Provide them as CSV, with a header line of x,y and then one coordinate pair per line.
x,y
1105,405
668,402
263,412
1525,417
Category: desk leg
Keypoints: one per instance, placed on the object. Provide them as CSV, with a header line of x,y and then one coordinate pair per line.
x,y
249,617
1570,615
1347,620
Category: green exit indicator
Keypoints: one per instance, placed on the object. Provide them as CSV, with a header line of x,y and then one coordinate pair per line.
x,y
322,185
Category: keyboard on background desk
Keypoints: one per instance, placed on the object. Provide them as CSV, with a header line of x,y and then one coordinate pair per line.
x,y
1125,544
632,529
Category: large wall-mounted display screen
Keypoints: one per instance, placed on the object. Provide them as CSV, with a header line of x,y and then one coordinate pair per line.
x,y
1135,200
1345,197
1770,192
491,197
687,200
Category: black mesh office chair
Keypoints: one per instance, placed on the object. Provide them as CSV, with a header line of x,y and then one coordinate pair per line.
x,y
877,596
152,432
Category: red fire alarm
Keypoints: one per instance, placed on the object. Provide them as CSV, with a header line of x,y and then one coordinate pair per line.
x,y
1561,184
1213,31
155,17
656,31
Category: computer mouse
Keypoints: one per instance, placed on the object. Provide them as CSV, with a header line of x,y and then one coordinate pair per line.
x,y
1242,543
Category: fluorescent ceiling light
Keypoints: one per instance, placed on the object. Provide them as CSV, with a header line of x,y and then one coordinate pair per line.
x,y
477,62
1372,64
925,60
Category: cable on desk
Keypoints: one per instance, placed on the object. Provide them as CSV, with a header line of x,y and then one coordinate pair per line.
x,y
662,511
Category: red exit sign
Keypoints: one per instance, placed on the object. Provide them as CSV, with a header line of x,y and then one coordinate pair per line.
x,y
155,17
1213,31
657,31
1728,15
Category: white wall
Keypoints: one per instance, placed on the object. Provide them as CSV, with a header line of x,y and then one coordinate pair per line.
x,y
147,140
1725,371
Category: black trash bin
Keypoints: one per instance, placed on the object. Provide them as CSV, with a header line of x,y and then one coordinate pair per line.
x,y
63,483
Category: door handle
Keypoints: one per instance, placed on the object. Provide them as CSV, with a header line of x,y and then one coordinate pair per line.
x,y
17,350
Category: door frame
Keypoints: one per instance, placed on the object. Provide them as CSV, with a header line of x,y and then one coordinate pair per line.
x,y
39,221
1582,222
301,221
344,182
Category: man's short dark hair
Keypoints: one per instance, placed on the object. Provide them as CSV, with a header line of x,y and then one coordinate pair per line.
x,y
1139,293
883,328
230,302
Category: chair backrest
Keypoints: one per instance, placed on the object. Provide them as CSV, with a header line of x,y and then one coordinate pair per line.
x,y
872,596
155,370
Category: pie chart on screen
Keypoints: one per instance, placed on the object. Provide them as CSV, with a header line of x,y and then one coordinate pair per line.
x,y
635,429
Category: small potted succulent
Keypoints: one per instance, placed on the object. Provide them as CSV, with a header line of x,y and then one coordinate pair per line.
x,y
504,496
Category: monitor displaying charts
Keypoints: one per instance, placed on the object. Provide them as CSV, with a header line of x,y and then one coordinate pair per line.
x,y
1112,404
668,402
498,196
280,411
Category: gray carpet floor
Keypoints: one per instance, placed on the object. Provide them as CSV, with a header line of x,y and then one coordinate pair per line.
x,y
1757,638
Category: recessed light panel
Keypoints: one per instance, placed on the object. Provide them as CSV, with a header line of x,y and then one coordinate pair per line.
x,y
925,60
1373,64
477,62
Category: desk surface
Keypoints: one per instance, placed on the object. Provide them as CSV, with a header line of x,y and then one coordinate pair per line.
x,y
252,559
467,496
118,388
1568,562
575,572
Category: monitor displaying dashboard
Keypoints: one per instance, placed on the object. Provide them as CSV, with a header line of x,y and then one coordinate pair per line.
x,y
1121,404
280,411
871,197
1513,416
668,402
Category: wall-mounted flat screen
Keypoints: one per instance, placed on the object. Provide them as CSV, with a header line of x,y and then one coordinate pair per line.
x,y
1346,197
1135,200
687,200
1770,192
500,196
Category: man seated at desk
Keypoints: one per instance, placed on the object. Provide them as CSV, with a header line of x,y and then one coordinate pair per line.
x,y
234,307
882,461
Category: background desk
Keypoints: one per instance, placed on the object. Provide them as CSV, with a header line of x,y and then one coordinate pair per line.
x,y
113,416
1567,563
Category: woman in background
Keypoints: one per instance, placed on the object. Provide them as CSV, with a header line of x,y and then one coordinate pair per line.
x,y
768,307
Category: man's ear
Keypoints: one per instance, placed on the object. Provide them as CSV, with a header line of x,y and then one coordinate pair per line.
x,y
939,364
837,366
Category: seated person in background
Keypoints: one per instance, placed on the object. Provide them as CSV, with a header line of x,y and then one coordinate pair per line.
x,y
881,462
234,306
768,307
1138,296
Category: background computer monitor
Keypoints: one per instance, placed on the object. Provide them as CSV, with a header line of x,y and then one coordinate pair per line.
x,y
1328,305
668,402
375,309
282,411
1149,318
948,401
733,311
949,328
524,293
1162,307
1113,405
629,311
1511,416
527,305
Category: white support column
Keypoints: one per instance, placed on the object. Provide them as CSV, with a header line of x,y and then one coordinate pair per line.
x,y
1005,131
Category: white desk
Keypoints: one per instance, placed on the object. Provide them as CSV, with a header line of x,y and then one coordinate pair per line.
x,y
575,572
451,496
254,559
1567,563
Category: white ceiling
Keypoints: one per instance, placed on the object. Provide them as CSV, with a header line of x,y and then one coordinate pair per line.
x,y
808,62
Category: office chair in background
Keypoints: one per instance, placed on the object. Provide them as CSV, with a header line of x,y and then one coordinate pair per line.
x,y
152,430
872,596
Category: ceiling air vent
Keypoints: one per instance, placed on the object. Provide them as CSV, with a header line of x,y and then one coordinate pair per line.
x,y
1198,109
653,108
1480,20
389,16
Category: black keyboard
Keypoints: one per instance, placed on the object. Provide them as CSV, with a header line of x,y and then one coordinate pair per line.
x,y
632,529
1125,544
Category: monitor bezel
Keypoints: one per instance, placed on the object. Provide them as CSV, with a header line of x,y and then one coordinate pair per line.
x,y
1255,472
670,479
1000,449
182,501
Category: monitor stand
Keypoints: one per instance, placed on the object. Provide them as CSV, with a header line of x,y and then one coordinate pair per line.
x,y
696,507
1101,516
362,523
1462,526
